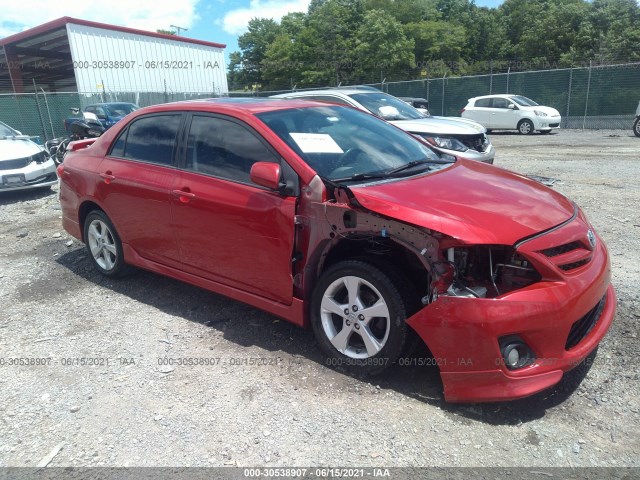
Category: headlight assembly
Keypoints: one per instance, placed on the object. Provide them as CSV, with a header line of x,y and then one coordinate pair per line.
x,y
448,143
540,113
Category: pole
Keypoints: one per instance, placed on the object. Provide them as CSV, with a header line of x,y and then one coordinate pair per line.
x,y
586,102
490,77
443,78
46,102
566,117
44,130
508,72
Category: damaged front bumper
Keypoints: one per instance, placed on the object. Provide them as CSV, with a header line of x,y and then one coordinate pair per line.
x,y
464,334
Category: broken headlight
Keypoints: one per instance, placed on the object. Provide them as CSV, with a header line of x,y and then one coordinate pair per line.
x,y
485,271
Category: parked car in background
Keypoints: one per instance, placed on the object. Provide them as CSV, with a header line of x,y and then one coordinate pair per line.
x,y
23,163
453,136
511,112
108,113
420,104
636,124
331,218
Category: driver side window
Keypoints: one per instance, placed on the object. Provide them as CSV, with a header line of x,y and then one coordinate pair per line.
x,y
224,149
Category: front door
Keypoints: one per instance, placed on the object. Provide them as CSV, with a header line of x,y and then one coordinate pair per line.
x,y
230,230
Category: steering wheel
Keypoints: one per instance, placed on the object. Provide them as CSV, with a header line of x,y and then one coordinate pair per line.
x,y
349,156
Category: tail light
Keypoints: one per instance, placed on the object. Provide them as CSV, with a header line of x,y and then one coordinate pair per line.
x,y
462,111
60,170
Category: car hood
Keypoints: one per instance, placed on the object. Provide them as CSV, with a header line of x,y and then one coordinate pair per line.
x,y
10,149
551,112
471,201
441,126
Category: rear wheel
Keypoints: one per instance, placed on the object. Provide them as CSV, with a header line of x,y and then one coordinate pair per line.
x,y
103,244
636,127
359,317
525,127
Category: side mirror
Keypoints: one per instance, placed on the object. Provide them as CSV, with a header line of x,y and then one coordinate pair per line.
x,y
388,112
512,106
266,174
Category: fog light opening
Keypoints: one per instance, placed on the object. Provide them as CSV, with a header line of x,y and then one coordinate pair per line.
x,y
516,354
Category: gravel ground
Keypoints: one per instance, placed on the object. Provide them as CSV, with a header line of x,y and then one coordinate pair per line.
x,y
267,398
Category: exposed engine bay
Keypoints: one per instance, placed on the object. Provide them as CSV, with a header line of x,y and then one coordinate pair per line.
x,y
445,266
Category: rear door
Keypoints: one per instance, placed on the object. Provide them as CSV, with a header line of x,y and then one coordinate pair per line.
x,y
229,229
481,112
135,183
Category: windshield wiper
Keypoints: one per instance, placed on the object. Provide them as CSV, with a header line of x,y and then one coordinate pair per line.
x,y
361,176
407,166
392,172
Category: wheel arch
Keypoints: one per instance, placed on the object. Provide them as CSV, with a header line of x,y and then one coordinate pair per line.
x,y
382,252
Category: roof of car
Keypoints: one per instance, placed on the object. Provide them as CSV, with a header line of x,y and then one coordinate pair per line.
x,y
346,91
249,105
495,95
109,103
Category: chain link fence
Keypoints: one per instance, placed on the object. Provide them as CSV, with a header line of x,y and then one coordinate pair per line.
x,y
593,97
596,97
43,114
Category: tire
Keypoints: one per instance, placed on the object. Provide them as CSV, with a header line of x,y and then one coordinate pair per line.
x,y
357,342
525,127
103,244
636,127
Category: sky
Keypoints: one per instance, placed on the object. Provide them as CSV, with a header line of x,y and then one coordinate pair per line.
x,y
220,21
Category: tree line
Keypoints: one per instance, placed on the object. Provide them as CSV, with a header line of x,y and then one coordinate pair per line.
x,y
370,41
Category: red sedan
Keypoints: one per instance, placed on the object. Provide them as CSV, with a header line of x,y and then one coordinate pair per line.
x,y
331,218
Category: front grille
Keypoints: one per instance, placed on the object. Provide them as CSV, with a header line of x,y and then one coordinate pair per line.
x,y
573,265
567,247
582,327
568,256
14,164
474,142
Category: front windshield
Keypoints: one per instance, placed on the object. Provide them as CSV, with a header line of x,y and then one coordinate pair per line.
x,y
121,109
6,131
341,143
386,106
524,101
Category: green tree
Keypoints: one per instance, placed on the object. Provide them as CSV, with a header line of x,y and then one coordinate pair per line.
x,y
254,44
381,45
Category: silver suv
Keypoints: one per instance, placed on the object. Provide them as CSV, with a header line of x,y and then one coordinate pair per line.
x,y
454,136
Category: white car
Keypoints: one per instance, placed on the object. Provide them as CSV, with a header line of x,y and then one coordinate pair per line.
x,y
450,135
511,112
23,163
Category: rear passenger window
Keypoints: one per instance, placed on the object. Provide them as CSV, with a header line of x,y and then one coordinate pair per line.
x,y
483,102
224,149
150,139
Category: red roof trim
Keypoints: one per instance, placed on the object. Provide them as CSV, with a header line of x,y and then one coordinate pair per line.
x,y
61,22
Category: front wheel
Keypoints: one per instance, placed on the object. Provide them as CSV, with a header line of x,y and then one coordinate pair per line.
x,y
525,127
103,244
636,127
359,317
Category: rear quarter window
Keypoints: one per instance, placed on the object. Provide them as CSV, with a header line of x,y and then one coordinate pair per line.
x,y
483,102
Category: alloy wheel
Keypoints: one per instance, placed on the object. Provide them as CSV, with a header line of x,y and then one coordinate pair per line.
x,y
355,317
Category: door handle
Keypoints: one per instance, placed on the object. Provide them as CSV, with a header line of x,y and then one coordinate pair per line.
x,y
108,177
184,196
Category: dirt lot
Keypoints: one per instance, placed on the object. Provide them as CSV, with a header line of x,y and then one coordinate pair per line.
x,y
269,399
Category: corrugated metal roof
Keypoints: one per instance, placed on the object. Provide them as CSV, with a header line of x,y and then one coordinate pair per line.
x,y
63,21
